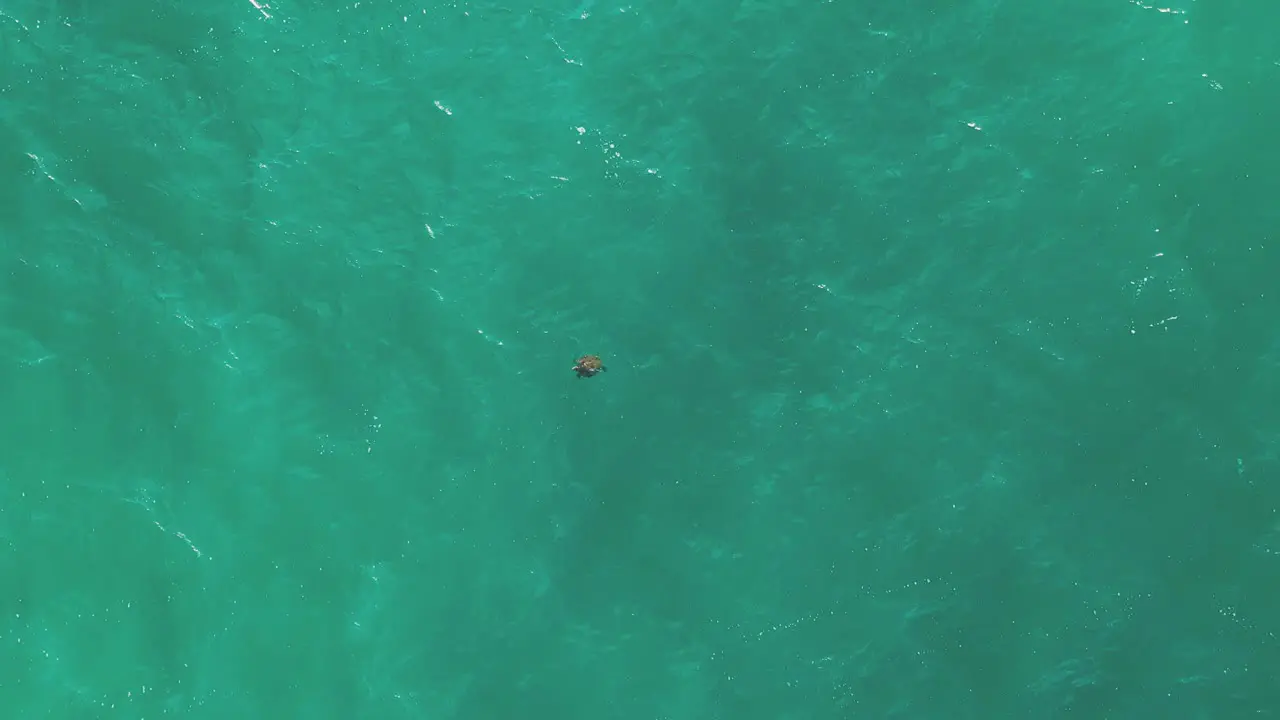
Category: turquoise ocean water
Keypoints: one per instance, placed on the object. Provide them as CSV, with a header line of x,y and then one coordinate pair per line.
x,y
942,345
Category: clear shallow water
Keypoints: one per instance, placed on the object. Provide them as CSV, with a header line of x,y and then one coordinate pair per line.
x,y
941,348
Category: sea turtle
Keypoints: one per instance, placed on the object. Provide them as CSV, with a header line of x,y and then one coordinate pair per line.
x,y
588,365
